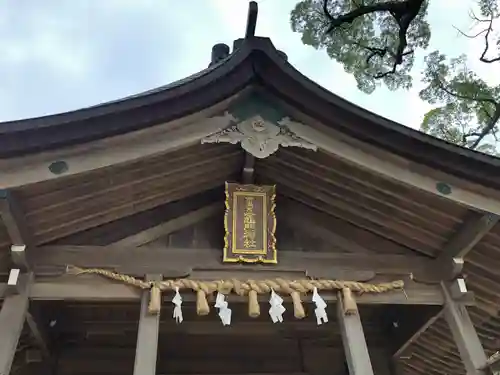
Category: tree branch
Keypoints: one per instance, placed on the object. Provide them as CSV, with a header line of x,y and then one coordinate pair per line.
x,y
404,12
465,97
349,17
487,43
488,128
487,31
493,119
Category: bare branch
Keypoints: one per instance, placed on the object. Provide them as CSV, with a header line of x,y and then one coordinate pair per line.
x,y
467,35
487,43
486,31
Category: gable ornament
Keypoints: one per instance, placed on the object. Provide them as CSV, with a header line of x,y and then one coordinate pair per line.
x,y
259,137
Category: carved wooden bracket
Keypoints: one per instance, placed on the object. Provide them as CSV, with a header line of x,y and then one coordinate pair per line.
x,y
259,137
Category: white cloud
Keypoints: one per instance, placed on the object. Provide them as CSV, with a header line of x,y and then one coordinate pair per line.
x,y
62,56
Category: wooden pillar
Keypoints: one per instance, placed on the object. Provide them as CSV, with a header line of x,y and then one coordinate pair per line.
x,y
463,331
12,318
353,339
146,352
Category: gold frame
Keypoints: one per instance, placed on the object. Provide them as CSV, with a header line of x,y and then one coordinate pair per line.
x,y
269,234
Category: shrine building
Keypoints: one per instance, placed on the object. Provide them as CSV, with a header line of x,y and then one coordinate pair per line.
x,y
244,221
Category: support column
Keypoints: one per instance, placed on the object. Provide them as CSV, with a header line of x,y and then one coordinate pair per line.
x,y
12,318
353,339
146,352
462,329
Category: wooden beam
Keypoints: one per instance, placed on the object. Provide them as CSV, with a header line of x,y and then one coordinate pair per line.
x,y
470,233
40,335
464,334
178,223
290,328
81,288
12,319
18,257
353,339
146,353
450,259
20,236
176,262
14,220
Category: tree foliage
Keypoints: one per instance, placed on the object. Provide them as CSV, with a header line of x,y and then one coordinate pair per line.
x,y
376,40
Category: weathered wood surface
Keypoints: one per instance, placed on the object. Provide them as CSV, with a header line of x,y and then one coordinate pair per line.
x,y
14,219
372,213
468,235
100,337
146,351
12,319
51,262
166,228
155,258
354,342
464,333
95,288
129,148
415,336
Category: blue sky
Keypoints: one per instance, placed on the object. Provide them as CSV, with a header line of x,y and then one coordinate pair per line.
x,y
63,55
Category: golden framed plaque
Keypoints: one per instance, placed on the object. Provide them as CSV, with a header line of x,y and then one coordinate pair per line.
x,y
250,224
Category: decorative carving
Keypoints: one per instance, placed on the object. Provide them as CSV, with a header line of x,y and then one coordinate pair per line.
x,y
259,137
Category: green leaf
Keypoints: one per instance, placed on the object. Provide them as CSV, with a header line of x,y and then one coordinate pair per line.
x,y
468,104
347,43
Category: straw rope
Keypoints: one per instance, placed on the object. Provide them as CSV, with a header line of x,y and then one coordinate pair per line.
x,y
250,288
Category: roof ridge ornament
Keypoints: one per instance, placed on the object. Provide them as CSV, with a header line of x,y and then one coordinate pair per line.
x,y
253,12
259,137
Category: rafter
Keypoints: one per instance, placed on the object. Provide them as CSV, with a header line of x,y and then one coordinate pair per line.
x,y
39,334
383,164
468,235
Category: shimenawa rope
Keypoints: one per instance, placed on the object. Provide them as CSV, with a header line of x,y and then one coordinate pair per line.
x,y
250,288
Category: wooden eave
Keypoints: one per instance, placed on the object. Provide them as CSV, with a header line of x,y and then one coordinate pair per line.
x,y
64,206
255,62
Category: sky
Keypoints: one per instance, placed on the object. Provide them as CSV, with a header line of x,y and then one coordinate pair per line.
x,y
58,56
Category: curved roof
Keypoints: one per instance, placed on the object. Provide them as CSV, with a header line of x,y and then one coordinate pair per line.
x,y
255,62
